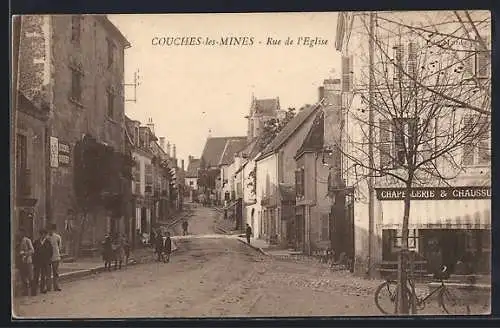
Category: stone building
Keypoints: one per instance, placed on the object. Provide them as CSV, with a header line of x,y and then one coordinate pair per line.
x,y
74,65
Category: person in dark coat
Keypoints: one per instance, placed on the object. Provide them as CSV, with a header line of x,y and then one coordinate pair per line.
x,y
185,228
126,248
118,251
248,233
167,248
159,245
41,262
107,252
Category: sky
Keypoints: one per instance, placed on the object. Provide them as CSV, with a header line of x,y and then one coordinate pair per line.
x,y
189,91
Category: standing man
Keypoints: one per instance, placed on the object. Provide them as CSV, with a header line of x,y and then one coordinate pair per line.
x,y
167,247
248,233
55,241
41,262
26,251
185,228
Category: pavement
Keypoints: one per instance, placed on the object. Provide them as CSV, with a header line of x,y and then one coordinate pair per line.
x,y
211,275
88,266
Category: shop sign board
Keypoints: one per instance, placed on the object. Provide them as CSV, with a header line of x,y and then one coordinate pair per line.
x,y
435,193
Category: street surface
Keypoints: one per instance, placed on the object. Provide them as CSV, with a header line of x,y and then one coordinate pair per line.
x,y
209,277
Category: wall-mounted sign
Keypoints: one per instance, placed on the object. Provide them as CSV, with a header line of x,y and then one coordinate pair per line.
x,y
54,152
64,154
435,193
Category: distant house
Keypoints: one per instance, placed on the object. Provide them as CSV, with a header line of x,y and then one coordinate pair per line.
x,y
192,177
215,154
275,168
324,220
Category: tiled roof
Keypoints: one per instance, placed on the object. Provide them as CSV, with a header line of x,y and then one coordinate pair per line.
x,y
192,169
233,146
315,136
215,148
266,106
289,129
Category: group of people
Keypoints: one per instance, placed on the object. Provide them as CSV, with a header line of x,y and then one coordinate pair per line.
x,y
163,246
115,249
38,262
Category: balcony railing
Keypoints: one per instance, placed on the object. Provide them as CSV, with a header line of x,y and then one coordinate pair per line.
x,y
23,183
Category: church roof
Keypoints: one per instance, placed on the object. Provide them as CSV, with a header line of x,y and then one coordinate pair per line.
x,y
266,106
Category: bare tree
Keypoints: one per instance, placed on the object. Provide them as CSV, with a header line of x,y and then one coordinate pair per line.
x,y
427,86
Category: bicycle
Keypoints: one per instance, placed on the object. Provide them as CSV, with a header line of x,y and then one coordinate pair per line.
x,y
445,298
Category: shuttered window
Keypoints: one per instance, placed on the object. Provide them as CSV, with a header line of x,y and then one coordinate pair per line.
x,y
478,148
412,59
299,183
149,177
347,75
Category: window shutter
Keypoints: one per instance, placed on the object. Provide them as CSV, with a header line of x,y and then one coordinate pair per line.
x,y
412,59
482,60
399,129
346,73
398,56
385,143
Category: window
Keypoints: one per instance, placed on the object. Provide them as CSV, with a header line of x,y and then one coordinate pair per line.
x,y
149,178
111,104
299,183
111,53
404,130
477,150
394,152
75,29
397,238
325,227
476,61
191,182
76,85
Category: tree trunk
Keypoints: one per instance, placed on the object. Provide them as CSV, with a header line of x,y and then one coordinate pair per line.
x,y
402,303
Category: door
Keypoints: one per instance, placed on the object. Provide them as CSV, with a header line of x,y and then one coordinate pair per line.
x,y
301,228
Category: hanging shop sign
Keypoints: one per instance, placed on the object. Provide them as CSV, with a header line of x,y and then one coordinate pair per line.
x,y
435,193
64,154
54,152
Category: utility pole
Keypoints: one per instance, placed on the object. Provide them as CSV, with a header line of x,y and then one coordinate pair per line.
x,y
371,215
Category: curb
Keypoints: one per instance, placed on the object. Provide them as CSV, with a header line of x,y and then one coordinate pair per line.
x,y
258,249
483,287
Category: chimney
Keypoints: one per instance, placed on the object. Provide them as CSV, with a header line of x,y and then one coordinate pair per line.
x,y
151,125
168,149
162,143
182,164
190,159
173,152
333,123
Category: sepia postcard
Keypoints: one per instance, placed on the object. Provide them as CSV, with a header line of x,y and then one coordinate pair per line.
x,y
251,165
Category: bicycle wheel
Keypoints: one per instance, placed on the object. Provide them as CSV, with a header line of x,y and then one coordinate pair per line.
x,y
386,296
452,303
